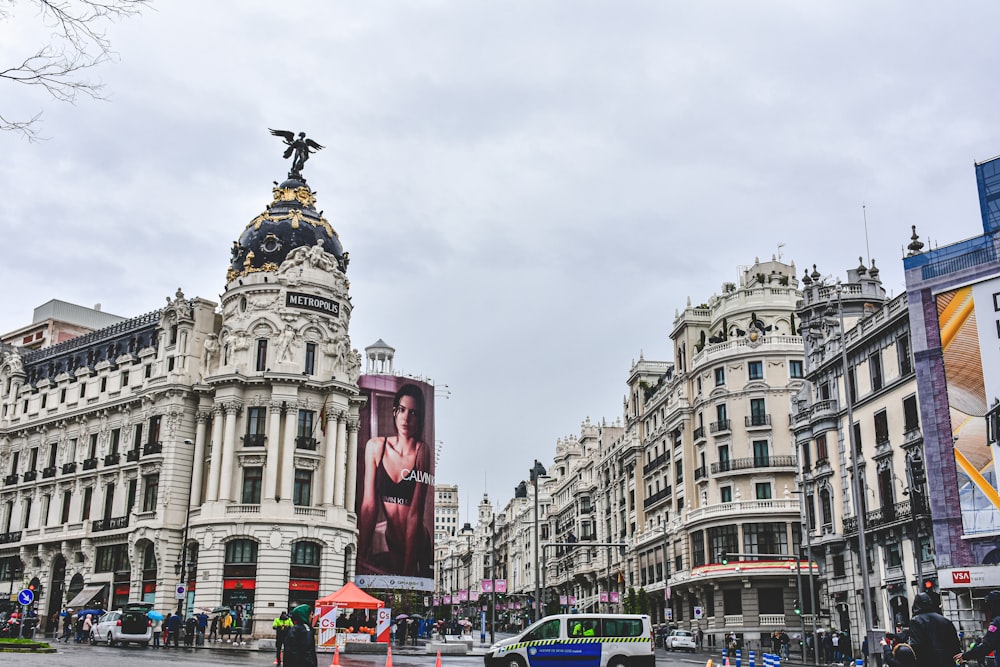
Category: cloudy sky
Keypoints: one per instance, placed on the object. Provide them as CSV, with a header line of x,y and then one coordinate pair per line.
x,y
528,190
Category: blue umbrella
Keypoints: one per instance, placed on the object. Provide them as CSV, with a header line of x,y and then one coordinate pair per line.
x,y
92,612
154,615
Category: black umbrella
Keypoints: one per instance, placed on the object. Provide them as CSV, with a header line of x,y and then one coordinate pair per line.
x,y
221,610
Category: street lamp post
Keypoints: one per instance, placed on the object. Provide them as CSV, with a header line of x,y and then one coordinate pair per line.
x,y
182,603
859,484
537,470
493,575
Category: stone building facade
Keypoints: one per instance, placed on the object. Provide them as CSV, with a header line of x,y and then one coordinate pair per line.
x,y
203,445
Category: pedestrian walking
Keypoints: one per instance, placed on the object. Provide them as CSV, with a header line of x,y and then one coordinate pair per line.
x,y
202,626
190,628
932,636
78,626
991,642
237,628
67,626
281,626
174,627
300,645
166,630
213,631
157,631
87,625
784,643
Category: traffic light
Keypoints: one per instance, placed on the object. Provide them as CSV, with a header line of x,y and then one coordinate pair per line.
x,y
724,557
917,472
930,585
797,608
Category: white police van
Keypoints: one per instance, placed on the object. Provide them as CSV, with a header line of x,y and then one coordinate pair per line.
x,y
581,640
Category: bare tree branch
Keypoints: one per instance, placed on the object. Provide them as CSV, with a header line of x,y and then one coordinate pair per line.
x,y
79,43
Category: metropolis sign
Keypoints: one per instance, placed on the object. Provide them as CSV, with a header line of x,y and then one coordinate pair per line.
x,y
310,302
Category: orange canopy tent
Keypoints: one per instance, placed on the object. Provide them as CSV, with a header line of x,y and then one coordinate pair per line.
x,y
350,597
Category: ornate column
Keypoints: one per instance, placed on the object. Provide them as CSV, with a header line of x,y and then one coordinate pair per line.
x,y
288,454
352,463
271,466
227,471
215,467
340,472
198,465
330,448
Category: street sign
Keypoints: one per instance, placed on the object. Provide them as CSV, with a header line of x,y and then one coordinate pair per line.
x,y
25,596
180,591
699,612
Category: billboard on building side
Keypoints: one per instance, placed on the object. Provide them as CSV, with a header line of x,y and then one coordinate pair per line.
x,y
969,323
395,484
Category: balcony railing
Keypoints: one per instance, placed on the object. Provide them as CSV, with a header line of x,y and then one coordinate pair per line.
x,y
656,497
303,442
48,472
7,538
757,420
109,524
90,464
30,475
700,472
885,517
745,507
655,463
772,619
754,462
253,440
67,468
10,479
112,459
154,447
720,426
699,433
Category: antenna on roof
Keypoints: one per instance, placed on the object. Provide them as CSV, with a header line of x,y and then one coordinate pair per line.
x,y
864,213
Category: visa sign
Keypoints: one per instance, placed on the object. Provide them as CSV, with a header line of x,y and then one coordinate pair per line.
x,y
970,577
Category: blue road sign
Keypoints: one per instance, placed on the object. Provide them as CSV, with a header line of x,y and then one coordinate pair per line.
x,y
25,596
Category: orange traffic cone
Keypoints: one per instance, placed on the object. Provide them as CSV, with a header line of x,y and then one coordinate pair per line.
x,y
336,657
437,662
388,657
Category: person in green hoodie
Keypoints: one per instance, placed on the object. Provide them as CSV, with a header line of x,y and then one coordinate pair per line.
x,y
300,643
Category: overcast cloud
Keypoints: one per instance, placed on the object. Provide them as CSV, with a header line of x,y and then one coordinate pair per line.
x,y
528,190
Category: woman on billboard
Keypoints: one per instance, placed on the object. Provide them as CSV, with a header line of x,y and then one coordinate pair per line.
x,y
397,474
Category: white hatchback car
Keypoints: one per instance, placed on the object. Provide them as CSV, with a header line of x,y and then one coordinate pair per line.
x,y
127,625
680,640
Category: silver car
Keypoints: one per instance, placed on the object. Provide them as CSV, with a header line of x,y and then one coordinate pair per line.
x,y
127,625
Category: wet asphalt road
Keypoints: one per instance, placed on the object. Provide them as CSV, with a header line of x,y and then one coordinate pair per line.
x,y
83,655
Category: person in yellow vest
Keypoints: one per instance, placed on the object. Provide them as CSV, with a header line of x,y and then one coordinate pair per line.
x,y
281,626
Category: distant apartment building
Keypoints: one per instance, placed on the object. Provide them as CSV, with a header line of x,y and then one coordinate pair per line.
x,y
714,524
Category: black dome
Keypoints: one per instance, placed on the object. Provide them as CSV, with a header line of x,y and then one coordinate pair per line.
x,y
290,221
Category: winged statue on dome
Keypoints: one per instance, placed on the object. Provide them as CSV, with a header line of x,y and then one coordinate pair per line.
x,y
300,147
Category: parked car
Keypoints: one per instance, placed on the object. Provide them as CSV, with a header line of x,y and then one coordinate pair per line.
x,y
680,640
129,624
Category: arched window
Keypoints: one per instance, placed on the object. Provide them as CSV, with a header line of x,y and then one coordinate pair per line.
x,y
825,507
305,553
304,573
240,552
